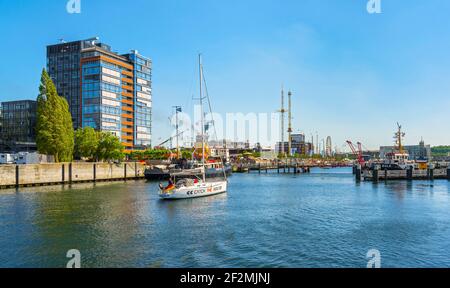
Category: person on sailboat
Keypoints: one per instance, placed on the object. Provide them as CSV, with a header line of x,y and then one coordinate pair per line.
x,y
169,187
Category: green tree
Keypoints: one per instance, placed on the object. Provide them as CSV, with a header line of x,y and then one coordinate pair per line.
x,y
440,151
54,130
157,154
86,142
109,147
186,154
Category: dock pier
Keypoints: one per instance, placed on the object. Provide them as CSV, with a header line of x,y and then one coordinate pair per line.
x,y
376,174
280,168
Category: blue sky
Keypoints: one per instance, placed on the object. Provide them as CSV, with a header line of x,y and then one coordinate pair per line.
x,y
353,74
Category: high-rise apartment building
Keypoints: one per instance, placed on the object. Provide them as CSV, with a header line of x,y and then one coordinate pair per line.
x,y
105,90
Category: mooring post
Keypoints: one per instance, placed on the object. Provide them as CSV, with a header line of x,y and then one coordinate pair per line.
x,y
70,173
94,172
430,172
125,171
17,176
259,168
386,173
358,173
409,173
63,172
375,176
278,167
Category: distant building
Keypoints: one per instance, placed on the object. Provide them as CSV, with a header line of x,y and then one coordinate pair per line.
x,y
328,147
17,124
223,153
105,90
298,145
415,151
229,144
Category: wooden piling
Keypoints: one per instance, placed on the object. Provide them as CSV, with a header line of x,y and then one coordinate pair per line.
x,y
70,173
409,173
432,174
358,173
17,176
375,176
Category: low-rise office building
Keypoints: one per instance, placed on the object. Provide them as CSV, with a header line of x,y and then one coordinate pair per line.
x,y
18,124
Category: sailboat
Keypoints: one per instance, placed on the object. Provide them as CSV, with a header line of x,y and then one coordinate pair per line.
x,y
193,183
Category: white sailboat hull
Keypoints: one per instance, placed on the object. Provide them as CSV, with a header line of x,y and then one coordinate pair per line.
x,y
195,191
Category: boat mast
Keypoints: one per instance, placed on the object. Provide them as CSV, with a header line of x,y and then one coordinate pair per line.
x,y
177,109
399,135
212,118
282,112
201,111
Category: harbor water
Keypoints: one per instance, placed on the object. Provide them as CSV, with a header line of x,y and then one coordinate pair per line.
x,y
322,219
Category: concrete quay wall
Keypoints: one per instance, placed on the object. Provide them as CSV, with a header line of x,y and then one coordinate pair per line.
x,y
62,173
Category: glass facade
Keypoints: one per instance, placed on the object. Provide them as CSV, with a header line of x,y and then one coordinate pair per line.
x,y
101,94
17,122
63,66
143,96
105,90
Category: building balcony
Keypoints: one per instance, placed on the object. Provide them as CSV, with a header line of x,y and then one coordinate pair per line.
x,y
128,73
130,88
128,80
128,116
127,101
125,108
127,94
127,123
127,130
